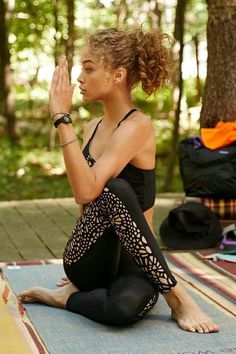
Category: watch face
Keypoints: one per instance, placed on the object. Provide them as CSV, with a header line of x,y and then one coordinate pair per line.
x,y
66,119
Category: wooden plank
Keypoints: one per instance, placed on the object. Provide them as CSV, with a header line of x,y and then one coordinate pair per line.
x,y
23,237
70,205
58,214
39,229
50,234
8,251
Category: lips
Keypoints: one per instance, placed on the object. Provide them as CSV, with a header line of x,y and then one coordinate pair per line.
x,y
82,91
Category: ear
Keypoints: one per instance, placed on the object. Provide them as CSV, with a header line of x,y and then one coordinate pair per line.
x,y
120,75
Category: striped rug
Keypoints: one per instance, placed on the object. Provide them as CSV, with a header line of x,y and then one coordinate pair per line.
x,y
214,282
40,329
17,335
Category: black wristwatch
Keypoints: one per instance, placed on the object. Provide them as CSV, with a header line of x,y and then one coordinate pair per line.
x,y
66,119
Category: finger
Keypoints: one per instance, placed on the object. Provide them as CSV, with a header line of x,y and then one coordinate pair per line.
x,y
55,77
63,283
65,74
60,284
72,87
60,73
64,280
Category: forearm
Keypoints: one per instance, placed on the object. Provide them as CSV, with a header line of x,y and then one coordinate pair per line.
x,y
84,184
82,178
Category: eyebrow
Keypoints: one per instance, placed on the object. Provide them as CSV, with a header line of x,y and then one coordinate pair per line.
x,y
88,61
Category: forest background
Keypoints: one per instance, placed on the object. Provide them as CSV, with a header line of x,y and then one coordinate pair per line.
x,y
35,33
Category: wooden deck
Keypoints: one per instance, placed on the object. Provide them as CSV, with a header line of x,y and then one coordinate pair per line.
x,y
39,229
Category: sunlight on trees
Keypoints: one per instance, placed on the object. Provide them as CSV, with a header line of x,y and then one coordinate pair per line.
x,y
37,34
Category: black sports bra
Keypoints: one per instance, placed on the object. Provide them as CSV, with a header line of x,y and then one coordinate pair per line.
x,y
142,181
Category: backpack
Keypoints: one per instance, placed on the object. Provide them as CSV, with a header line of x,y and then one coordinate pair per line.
x,y
207,173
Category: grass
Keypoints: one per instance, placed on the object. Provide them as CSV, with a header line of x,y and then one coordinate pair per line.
x,y
30,171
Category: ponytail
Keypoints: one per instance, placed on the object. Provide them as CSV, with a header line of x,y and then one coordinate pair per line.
x,y
143,55
154,59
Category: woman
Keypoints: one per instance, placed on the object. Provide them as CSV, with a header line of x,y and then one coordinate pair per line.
x,y
114,267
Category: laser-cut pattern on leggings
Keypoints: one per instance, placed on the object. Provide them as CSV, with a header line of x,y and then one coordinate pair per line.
x,y
105,211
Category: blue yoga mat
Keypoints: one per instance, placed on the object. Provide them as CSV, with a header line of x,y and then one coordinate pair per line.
x,y
68,333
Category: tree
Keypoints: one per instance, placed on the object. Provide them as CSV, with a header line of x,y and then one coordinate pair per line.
x,y
57,31
179,37
219,102
7,100
71,33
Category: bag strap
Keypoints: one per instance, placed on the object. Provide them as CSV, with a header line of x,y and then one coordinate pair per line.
x,y
229,228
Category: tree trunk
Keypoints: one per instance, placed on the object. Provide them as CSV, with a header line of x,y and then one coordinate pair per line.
x,y
121,12
56,27
179,36
7,100
219,101
155,14
198,83
2,53
52,131
71,34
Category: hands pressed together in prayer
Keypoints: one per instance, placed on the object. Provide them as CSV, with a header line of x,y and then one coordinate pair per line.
x,y
61,90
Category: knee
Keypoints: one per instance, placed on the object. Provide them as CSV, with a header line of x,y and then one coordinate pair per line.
x,y
130,308
120,187
123,313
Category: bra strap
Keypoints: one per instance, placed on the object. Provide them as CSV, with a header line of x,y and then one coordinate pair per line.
x,y
127,115
94,131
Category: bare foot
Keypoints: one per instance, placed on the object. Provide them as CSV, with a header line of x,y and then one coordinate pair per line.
x,y
187,313
51,297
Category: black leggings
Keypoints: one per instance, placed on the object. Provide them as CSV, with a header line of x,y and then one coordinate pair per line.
x,y
114,260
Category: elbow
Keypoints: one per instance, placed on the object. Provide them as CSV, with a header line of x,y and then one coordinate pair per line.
x,y
86,193
85,198
82,201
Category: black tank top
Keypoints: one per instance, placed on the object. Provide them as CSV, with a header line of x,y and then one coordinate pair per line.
x,y
142,181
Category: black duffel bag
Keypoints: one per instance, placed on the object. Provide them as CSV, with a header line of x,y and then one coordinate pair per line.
x,y
208,173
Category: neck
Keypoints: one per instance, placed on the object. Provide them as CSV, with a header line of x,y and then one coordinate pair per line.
x,y
116,106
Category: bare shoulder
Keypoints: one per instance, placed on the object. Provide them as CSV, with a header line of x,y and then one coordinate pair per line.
x,y
139,122
88,129
144,120
145,127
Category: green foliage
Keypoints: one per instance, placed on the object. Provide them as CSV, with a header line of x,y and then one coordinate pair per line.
x,y
196,19
29,170
190,91
159,103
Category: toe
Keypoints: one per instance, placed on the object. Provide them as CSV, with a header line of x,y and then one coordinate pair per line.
x,y
186,326
199,328
191,329
211,327
214,328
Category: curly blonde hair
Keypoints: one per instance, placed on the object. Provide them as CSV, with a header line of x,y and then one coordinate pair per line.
x,y
142,54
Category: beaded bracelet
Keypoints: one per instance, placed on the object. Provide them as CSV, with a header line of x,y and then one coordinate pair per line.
x,y
69,142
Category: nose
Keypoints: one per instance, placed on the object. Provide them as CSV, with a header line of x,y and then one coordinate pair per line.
x,y
80,78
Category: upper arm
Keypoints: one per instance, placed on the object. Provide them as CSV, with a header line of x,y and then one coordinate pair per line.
x,y
125,143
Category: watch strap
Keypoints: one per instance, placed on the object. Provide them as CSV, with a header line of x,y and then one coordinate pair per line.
x,y
65,119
